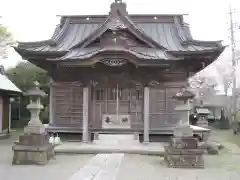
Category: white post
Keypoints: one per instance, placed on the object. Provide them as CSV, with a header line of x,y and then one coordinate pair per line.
x,y
146,115
10,114
85,114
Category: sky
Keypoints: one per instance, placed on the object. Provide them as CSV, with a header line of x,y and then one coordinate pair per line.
x,y
30,20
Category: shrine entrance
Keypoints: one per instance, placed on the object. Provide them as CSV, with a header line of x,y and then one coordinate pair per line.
x,y
118,107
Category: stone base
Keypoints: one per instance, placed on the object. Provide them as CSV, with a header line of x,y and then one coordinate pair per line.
x,y
184,158
202,123
32,149
183,131
32,154
184,143
34,129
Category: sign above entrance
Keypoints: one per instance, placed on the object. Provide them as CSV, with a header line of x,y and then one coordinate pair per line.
x,y
115,121
113,62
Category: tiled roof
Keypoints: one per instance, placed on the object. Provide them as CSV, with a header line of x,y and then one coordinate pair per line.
x,y
165,34
169,35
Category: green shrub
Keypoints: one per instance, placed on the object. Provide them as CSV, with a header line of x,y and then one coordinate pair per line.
x,y
223,123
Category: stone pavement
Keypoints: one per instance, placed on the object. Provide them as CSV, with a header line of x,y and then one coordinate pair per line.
x,y
101,166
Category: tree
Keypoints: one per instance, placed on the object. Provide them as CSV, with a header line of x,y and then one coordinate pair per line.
x,y
6,39
23,76
203,85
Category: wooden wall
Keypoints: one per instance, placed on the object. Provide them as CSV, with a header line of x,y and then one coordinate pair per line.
x,y
162,113
68,105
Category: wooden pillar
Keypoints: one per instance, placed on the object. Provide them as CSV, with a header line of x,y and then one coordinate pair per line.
x,y
93,110
51,105
85,114
146,114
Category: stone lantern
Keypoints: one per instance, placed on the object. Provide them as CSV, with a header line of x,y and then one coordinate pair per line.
x,y
35,125
183,110
33,146
183,151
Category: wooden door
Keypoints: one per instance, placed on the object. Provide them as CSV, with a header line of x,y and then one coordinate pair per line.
x,y
120,105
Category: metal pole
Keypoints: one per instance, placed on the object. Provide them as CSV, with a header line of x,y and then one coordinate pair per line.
x,y
234,98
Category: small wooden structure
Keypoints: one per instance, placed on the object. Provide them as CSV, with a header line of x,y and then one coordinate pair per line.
x,y
7,90
117,73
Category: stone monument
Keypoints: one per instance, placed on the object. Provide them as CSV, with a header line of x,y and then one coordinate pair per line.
x,y
33,146
183,151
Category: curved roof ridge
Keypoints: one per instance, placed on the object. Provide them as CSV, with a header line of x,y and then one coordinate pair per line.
x,y
166,53
104,27
57,35
91,35
216,43
34,43
188,40
181,34
141,52
56,31
143,33
61,31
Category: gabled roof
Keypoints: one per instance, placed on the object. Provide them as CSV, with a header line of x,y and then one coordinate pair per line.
x,y
165,32
7,85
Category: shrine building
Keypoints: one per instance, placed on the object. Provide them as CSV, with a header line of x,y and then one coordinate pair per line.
x,y
117,73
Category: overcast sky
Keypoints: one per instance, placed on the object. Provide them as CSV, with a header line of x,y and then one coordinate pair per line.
x,y
30,20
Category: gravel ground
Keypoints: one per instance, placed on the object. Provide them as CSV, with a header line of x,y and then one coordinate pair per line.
x,y
223,167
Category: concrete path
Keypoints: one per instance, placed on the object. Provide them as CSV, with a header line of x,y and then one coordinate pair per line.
x,y
100,167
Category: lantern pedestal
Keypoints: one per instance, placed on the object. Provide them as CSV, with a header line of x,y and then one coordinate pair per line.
x,y
33,146
34,129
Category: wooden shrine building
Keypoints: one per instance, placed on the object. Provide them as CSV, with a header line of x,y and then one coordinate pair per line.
x,y
118,72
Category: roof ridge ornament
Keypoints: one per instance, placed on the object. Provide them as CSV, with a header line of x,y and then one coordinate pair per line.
x,y
116,24
118,6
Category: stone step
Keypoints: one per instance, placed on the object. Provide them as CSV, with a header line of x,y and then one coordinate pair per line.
x,y
91,148
116,139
